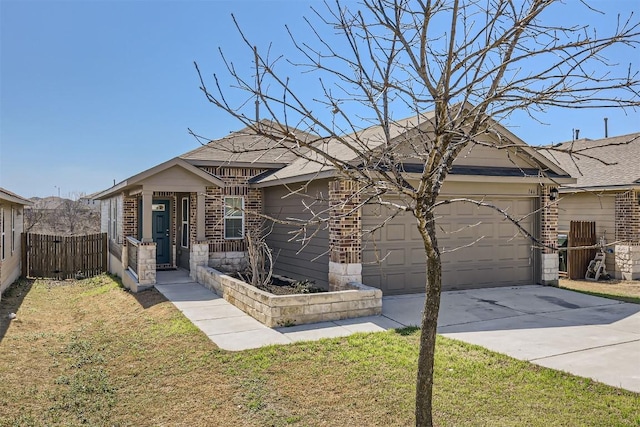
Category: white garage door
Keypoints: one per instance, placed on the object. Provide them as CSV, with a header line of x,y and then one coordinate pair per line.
x,y
394,257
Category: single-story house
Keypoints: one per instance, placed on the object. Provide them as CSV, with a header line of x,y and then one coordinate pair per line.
x,y
11,226
196,208
607,192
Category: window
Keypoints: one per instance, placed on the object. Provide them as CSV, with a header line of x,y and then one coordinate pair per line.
x,y
114,219
13,230
2,231
233,217
185,223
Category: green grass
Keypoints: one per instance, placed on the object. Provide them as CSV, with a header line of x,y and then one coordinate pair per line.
x,y
620,290
623,298
90,353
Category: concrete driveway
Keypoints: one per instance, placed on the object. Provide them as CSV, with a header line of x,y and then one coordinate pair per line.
x,y
587,336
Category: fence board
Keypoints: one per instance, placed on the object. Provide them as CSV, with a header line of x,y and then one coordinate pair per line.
x,y
581,233
64,257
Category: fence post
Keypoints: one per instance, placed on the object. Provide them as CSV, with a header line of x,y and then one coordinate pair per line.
x,y
23,248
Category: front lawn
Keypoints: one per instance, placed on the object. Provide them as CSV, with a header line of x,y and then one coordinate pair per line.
x,y
621,290
90,353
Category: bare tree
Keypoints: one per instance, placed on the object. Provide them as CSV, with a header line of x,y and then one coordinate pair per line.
x,y
472,63
260,259
33,218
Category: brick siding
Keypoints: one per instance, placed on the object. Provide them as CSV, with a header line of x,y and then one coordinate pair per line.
x,y
548,221
130,217
236,184
628,217
345,221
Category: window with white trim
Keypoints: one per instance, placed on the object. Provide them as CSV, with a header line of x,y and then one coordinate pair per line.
x,y
2,231
13,229
114,219
233,218
184,240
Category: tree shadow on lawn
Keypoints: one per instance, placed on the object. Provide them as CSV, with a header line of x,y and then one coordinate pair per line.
x,y
148,298
11,301
406,331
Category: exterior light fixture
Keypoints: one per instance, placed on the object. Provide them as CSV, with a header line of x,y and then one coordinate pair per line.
x,y
553,194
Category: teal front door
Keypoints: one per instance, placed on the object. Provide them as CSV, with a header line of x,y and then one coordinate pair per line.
x,y
160,229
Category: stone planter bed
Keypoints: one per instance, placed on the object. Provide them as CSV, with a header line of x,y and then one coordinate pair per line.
x,y
287,310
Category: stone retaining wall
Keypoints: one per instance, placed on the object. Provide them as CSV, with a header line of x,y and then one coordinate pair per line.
x,y
288,310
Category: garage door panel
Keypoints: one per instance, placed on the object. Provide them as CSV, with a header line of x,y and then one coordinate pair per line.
x,y
463,209
414,233
418,256
500,257
396,257
395,281
398,281
507,230
395,232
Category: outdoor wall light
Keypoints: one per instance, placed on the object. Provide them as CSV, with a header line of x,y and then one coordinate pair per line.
x,y
553,194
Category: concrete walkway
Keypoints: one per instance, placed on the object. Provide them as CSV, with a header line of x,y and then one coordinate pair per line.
x,y
588,336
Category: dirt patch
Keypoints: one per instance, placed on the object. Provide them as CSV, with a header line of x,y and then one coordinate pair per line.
x,y
288,287
613,287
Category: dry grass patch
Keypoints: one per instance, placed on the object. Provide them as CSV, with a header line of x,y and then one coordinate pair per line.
x,y
91,353
623,290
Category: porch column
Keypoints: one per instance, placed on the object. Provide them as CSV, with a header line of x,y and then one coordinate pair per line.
x,y
199,255
549,237
147,216
627,252
345,240
200,217
147,263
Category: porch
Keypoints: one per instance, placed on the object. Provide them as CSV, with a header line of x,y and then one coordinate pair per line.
x,y
157,219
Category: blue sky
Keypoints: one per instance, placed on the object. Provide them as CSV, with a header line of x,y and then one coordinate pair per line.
x,y
97,91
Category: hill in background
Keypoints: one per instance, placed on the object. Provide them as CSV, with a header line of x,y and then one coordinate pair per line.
x,y
60,216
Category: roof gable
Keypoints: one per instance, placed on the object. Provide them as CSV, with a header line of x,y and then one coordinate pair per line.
x,y
174,169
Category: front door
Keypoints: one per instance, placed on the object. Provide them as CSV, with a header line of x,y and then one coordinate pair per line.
x,y
161,234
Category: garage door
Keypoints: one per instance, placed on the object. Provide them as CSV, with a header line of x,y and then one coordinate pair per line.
x,y
394,258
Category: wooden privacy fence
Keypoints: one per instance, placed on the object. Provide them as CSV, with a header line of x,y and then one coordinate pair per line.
x,y
63,257
581,233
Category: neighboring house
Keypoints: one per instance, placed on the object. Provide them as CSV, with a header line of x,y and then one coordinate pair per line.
x,y
607,192
90,201
11,226
196,208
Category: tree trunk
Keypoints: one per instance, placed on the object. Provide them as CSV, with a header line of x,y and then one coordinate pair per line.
x,y
426,357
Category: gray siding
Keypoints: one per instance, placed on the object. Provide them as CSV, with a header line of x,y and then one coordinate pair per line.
x,y
293,260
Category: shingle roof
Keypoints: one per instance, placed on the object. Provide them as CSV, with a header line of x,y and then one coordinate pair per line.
x,y
603,162
367,141
361,142
245,147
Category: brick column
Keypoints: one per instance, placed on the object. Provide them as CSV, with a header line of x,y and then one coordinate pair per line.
x,y
549,237
345,241
130,217
627,251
